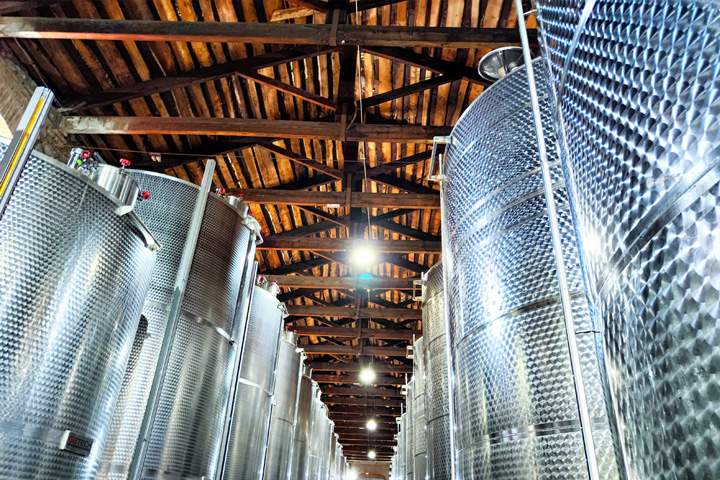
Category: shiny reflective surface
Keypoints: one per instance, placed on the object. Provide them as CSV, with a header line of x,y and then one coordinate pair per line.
x,y
437,388
637,87
299,466
75,275
419,409
185,439
284,416
250,425
167,214
120,186
515,405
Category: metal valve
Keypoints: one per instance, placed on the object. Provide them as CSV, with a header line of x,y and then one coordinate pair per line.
x,y
124,162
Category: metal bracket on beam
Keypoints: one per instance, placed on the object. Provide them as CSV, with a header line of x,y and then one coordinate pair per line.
x,y
440,177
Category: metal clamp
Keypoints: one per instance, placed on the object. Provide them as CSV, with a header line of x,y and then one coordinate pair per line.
x,y
418,283
440,177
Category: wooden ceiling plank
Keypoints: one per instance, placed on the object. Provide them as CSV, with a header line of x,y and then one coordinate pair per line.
x,y
249,32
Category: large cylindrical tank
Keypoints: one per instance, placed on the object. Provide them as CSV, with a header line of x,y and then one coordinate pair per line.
x,y
636,87
74,279
515,403
250,425
436,385
318,437
284,417
308,391
419,408
409,433
185,438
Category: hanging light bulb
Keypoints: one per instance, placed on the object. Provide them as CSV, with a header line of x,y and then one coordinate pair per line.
x,y
367,376
371,454
371,425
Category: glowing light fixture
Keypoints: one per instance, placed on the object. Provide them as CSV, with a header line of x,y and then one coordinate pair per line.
x,y
362,254
352,475
371,425
371,454
367,375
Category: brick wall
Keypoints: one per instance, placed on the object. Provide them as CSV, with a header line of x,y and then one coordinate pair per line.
x,y
16,89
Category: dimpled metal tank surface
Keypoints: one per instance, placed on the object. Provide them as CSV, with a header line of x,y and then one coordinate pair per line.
x,y
74,279
308,389
436,385
186,436
419,407
515,405
284,417
637,87
250,425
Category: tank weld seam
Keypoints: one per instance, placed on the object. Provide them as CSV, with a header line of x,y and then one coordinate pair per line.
x,y
169,475
679,198
250,383
529,307
460,243
537,430
205,323
503,188
36,432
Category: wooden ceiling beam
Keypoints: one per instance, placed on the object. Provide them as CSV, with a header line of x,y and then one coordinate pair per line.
x,y
356,367
322,199
171,160
376,412
368,4
370,402
350,312
298,266
408,231
287,88
392,167
307,182
251,32
304,161
401,184
346,244
352,379
420,60
316,5
251,127
381,333
362,391
328,349
186,79
13,6
355,283
411,89
347,421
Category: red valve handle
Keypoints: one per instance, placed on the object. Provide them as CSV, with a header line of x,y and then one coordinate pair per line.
x,y
86,154
124,162
145,194
222,191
